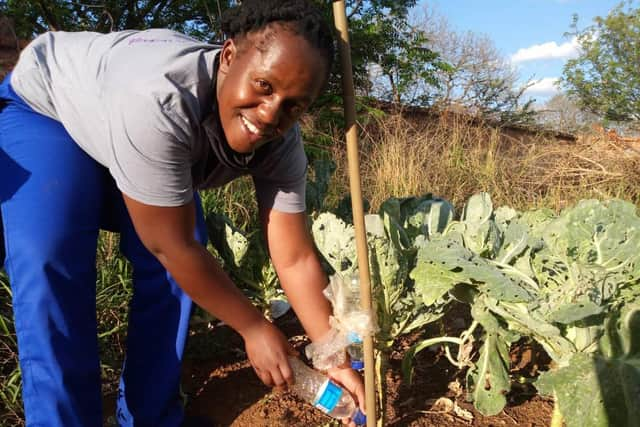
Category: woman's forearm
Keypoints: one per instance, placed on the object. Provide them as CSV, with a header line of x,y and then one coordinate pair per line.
x,y
304,282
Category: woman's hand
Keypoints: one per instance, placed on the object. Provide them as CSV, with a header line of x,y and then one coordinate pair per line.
x,y
268,351
352,382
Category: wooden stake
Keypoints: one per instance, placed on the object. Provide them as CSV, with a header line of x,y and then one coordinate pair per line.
x,y
340,20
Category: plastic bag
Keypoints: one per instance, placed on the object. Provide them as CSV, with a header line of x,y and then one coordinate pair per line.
x,y
348,317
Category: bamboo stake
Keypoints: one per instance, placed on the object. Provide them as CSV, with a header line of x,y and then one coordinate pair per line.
x,y
340,21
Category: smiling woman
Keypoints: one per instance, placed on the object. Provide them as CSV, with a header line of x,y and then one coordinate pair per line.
x,y
119,130
261,93
268,77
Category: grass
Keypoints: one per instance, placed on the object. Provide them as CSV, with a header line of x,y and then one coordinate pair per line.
x,y
454,159
11,413
113,293
236,200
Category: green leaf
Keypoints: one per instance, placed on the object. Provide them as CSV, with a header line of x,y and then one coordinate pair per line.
x,y
515,242
571,313
336,242
478,209
489,380
476,226
595,392
425,215
318,187
443,263
603,234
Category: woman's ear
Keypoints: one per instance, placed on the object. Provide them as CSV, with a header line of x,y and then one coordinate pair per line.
x,y
228,55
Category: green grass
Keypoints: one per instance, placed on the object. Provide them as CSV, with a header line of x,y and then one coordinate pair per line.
x,y
11,413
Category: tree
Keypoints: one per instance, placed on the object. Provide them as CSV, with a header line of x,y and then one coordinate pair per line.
x,y
605,78
382,39
563,114
479,80
198,18
379,31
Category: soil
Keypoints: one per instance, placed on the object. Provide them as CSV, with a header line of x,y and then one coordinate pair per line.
x,y
223,390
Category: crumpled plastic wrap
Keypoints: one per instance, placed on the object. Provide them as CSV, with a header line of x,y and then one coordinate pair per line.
x,y
348,317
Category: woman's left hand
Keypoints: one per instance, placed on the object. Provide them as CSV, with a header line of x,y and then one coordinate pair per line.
x,y
351,381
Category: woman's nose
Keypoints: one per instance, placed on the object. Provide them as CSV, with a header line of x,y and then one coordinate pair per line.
x,y
269,112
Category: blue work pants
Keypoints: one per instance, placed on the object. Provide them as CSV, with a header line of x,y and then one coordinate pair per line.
x,y
54,198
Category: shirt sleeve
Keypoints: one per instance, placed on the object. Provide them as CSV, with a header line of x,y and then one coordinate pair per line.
x,y
150,156
281,181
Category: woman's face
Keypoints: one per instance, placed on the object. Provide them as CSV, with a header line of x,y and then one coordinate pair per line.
x,y
265,82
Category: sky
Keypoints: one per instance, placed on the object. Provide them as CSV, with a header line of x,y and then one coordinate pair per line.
x,y
530,33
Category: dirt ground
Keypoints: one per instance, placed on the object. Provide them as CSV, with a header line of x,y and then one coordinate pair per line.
x,y
222,388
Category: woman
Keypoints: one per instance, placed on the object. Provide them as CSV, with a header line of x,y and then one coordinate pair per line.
x,y
119,130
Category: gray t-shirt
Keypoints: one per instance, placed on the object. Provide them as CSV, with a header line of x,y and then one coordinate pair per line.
x,y
141,103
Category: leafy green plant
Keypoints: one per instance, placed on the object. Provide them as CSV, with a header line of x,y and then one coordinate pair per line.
x,y
561,280
244,256
397,306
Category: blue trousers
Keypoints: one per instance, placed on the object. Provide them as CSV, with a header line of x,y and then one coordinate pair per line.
x,y
54,199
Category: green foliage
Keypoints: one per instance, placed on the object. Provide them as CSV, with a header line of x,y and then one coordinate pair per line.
x,y
379,30
114,289
391,256
10,375
596,390
318,187
604,79
567,281
245,257
398,307
198,18
382,35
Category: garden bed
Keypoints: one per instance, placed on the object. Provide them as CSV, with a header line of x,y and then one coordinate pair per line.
x,y
224,390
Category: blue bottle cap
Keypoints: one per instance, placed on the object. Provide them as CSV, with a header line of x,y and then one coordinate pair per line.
x,y
359,418
358,365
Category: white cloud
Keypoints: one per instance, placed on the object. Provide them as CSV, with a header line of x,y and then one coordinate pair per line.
x,y
550,50
544,87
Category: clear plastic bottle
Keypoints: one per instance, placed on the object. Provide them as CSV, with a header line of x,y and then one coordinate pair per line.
x,y
324,394
354,349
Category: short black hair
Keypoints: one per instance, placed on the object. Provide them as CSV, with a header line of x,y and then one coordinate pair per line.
x,y
302,17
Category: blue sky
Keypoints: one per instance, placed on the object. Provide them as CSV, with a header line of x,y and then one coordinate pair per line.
x,y
528,32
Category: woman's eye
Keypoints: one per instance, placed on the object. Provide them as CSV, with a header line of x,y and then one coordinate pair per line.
x,y
264,86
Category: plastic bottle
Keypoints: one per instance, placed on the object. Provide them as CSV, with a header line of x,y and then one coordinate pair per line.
x,y
324,394
356,354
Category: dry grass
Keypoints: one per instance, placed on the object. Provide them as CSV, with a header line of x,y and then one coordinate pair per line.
x,y
454,159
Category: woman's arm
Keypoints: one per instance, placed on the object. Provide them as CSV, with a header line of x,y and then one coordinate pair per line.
x,y
301,275
294,257
169,233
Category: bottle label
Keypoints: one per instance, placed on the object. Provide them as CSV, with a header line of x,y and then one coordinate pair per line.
x,y
328,396
354,338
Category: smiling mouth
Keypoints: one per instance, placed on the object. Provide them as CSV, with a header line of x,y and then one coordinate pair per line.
x,y
252,128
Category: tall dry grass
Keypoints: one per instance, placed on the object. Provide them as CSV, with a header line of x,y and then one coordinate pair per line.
x,y
454,158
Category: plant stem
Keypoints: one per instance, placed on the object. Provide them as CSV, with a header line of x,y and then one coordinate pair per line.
x,y
556,418
510,269
382,400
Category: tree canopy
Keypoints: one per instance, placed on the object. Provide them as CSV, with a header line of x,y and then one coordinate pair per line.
x,y
379,31
605,77
478,78
197,18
